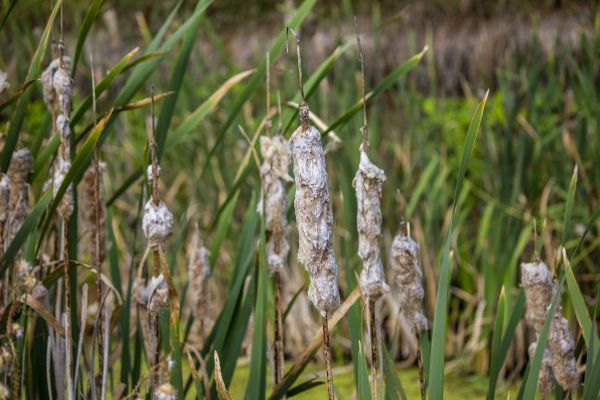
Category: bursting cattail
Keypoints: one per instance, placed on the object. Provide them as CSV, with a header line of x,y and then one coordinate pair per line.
x,y
21,164
48,77
404,259
545,380
4,198
94,210
61,167
539,290
63,86
274,173
166,391
314,217
368,183
157,223
198,277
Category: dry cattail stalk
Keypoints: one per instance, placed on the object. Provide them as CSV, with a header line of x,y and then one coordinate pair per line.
x,y
274,174
94,211
368,183
314,219
539,290
198,278
21,164
545,380
405,264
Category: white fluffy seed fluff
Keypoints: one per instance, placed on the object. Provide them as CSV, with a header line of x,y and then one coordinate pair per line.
x,y
3,82
198,276
61,167
545,379
539,290
149,172
21,164
314,219
4,197
368,183
62,125
406,267
157,223
63,86
274,173
166,391
155,295
47,78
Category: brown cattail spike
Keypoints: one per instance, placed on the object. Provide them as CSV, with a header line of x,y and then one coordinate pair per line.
x,y
404,259
198,277
314,219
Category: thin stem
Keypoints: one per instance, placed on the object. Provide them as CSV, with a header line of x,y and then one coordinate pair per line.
x,y
420,365
303,109
268,96
365,128
278,345
152,140
327,349
373,334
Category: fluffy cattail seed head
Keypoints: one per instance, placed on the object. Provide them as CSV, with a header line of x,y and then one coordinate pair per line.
x,y
274,173
21,164
537,282
368,183
314,219
94,210
156,293
562,352
157,223
166,391
63,86
47,78
62,125
539,290
545,380
198,276
404,259
4,197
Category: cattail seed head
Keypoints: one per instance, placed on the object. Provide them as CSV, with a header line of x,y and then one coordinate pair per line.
x,y
21,164
62,125
545,380
4,197
47,78
368,183
157,223
562,352
539,290
63,86
274,173
404,259
166,391
155,295
198,276
537,282
94,210
314,219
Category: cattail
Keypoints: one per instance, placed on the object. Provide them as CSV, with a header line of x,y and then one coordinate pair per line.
x,y
61,167
63,86
404,259
274,173
51,98
314,218
539,290
157,223
166,391
94,211
545,380
18,172
198,277
368,183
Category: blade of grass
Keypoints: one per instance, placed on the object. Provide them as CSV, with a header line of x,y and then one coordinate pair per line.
x,y
88,20
438,337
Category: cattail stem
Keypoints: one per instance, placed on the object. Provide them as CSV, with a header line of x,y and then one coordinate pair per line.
x,y
327,349
420,365
68,322
278,340
373,334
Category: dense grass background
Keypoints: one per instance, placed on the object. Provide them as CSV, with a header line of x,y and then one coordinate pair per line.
x,y
541,120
